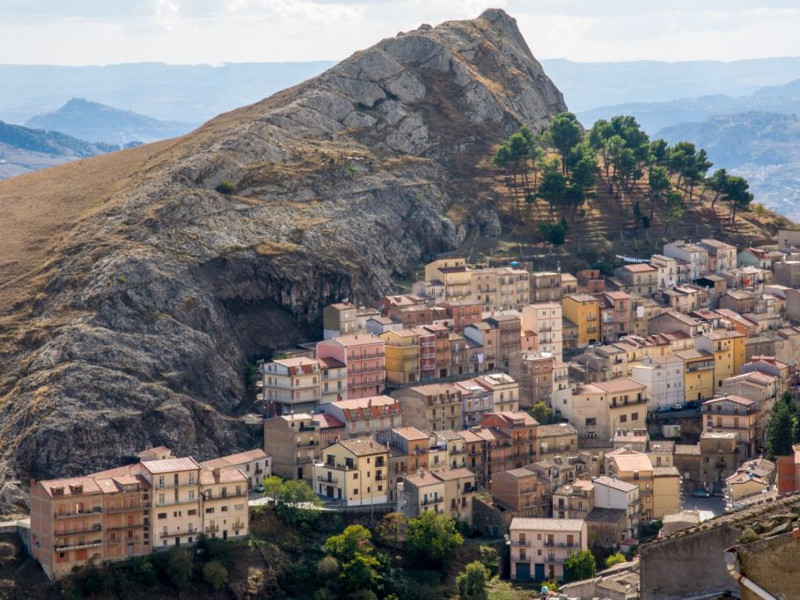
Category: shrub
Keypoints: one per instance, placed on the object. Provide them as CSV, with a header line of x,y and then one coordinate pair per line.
x,y
471,582
226,187
215,575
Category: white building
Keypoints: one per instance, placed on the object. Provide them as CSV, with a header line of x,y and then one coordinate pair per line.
x,y
610,492
664,377
694,254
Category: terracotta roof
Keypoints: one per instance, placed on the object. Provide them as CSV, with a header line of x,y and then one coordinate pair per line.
x,y
239,458
632,462
615,483
356,339
326,421
622,384
606,515
639,268
410,433
170,465
687,449
666,472
555,430
517,473
451,474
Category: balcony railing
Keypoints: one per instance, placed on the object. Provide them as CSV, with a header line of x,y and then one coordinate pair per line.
x,y
322,479
212,528
78,513
432,501
86,529
178,532
118,509
561,544
77,545
126,526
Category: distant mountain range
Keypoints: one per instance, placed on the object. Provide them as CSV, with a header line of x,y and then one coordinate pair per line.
x,y
99,123
23,149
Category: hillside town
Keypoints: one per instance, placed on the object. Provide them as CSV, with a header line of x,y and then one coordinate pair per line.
x,y
557,411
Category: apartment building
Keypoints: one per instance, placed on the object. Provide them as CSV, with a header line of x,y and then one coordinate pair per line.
x,y
615,315
698,378
613,493
664,378
639,279
721,256
558,439
635,468
695,255
338,319
290,384
504,391
255,464
523,491
436,406
598,410
364,358
354,471
737,415
501,288
667,271
455,276
573,500
545,286
518,437
293,442
364,417
728,349
534,373
719,457
134,510
545,319
509,334
402,355
584,311
450,492
333,380
462,313
539,547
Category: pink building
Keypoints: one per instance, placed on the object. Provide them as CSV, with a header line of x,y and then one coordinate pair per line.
x,y
364,357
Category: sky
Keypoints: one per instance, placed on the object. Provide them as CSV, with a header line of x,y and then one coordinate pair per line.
x,y
99,32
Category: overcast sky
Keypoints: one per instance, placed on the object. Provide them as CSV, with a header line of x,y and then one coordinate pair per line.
x,y
80,32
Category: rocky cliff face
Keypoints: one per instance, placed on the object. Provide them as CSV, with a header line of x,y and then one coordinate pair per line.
x,y
135,327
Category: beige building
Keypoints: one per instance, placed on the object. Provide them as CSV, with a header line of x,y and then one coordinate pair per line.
x,y
523,491
636,468
545,319
666,491
539,547
573,500
599,410
134,510
449,491
290,384
293,442
255,464
436,406
354,471
364,417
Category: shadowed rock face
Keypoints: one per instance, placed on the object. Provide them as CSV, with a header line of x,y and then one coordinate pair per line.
x,y
140,324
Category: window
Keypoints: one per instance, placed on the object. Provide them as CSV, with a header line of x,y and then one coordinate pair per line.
x,y
191,512
210,510
162,515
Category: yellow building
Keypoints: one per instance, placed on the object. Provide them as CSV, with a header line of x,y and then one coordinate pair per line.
x,y
728,349
584,311
666,491
402,355
635,468
355,472
455,276
223,494
698,374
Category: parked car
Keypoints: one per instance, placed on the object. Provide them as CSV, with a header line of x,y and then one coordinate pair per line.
x,y
694,404
259,488
701,493
677,406
663,408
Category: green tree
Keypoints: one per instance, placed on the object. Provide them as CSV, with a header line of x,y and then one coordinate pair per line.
x,y
658,181
353,540
490,559
599,135
737,194
291,491
716,183
673,209
215,575
659,152
360,573
432,537
563,134
179,567
471,582
144,572
553,186
780,434
579,565
541,412
556,233
615,559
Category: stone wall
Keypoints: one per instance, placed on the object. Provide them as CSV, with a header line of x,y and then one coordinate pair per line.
x,y
689,565
773,564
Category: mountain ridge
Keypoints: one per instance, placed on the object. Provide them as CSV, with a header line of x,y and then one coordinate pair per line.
x,y
132,327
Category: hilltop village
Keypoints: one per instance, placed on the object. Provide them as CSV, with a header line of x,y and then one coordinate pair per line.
x,y
556,411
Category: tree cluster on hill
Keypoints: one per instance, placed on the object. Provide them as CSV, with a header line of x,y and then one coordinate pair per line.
x,y
784,427
561,166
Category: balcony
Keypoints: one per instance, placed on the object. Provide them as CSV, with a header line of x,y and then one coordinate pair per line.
x,y
520,542
127,540
126,526
322,479
306,444
561,545
77,546
86,529
78,513
166,504
119,509
430,501
178,532
212,529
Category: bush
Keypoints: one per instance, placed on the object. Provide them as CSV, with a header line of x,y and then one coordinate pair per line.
x,y
179,567
226,187
144,572
615,559
471,582
490,559
215,575
555,234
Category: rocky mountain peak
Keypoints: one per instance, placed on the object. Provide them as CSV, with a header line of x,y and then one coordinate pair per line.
x,y
134,326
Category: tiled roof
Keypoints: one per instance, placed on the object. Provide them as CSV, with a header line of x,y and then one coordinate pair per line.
x,y
363,446
533,524
170,465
